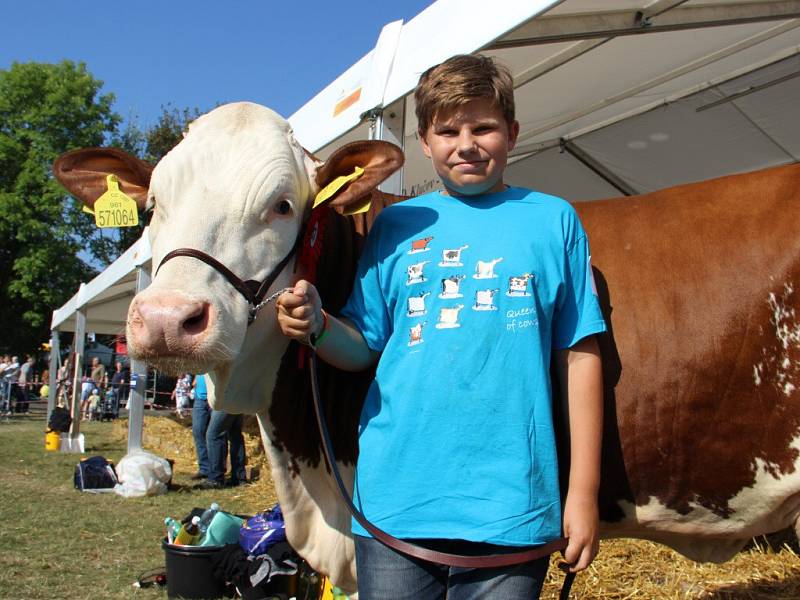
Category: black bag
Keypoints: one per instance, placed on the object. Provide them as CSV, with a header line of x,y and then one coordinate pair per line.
x,y
60,420
95,474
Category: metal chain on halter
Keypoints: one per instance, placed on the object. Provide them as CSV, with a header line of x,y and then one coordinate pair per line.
x,y
272,297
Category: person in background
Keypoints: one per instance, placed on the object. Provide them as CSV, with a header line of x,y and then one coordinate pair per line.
x,y
98,373
201,414
180,395
87,387
94,405
11,376
118,380
5,391
63,383
25,384
223,429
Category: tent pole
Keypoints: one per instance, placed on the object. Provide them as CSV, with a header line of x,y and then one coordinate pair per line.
x,y
138,382
387,124
588,161
78,346
55,358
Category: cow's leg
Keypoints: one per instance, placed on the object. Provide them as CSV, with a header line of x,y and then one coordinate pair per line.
x,y
317,520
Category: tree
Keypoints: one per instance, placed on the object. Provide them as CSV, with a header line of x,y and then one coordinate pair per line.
x,y
45,110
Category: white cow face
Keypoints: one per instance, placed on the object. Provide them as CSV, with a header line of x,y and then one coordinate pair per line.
x,y
236,188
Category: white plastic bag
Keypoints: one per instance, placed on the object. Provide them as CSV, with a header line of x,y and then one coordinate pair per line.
x,y
142,474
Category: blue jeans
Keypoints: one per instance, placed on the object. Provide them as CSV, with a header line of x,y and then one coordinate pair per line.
x,y
384,574
223,428
201,414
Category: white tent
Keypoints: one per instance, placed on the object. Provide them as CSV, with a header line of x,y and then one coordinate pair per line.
x,y
613,97
101,306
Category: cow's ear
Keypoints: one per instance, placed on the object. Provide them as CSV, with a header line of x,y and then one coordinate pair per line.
x,y
378,159
83,172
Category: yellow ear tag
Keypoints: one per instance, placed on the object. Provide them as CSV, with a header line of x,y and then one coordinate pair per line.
x,y
87,210
114,208
334,186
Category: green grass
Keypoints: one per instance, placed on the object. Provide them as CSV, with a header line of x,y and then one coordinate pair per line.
x,y
56,542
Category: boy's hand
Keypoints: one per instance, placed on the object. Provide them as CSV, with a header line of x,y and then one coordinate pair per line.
x,y
581,527
300,312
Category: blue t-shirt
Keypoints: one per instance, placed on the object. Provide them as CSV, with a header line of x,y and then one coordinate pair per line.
x,y
200,390
466,297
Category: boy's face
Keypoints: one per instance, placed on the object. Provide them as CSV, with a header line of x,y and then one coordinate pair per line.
x,y
469,147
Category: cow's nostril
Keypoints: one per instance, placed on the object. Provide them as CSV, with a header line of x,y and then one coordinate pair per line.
x,y
197,322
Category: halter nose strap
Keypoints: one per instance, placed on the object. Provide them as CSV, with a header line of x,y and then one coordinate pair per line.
x,y
252,290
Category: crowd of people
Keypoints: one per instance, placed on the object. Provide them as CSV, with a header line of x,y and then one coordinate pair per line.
x,y
19,384
102,396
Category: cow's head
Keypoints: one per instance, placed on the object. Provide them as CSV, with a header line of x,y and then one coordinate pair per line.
x,y
238,188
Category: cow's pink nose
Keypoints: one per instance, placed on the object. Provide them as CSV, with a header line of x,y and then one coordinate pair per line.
x,y
168,324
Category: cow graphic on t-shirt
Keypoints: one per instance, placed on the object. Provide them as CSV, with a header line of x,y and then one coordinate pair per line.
x,y
420,245
415,274
448,317
416,305
484,300
452,257
415,334
485,269
518,285
450,287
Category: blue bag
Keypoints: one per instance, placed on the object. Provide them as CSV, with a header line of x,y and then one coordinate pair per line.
x,y
263,531
95,474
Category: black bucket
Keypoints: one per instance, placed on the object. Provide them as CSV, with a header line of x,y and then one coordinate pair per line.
x,y
190,572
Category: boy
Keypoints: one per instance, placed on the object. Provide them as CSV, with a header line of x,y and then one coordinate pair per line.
x,y
457,450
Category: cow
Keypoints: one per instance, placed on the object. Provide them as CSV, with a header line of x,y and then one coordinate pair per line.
x,y
700,288
238,187
701,359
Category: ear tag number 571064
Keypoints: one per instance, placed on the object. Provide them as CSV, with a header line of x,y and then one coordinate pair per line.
x,y
114,208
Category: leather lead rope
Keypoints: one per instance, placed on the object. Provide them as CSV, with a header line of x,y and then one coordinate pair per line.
x,y
444,558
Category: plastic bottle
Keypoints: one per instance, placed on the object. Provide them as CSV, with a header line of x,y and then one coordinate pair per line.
x,y
173,527
189,534
207,516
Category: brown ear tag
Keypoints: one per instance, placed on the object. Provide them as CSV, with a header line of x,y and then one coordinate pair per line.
x,y
115,208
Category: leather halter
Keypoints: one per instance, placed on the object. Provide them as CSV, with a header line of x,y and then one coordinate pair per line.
x,y
253,291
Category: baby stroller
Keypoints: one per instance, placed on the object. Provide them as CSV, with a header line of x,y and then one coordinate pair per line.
x,y
109,410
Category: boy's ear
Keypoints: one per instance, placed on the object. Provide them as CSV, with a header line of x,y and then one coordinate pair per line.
x,y
513,134
83,172
426,150
379,160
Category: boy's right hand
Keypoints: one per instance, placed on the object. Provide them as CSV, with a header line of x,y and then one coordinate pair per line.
x,y
300,312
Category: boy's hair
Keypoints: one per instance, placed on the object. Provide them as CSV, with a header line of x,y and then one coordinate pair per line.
x,y
458,80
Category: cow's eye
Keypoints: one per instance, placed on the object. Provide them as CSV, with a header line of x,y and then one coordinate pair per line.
x,y
149,209
283,207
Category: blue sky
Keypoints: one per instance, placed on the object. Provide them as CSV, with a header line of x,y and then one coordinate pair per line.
x,y
200,53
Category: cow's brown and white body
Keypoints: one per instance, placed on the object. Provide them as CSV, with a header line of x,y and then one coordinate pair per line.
x,y
701,291
701,362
